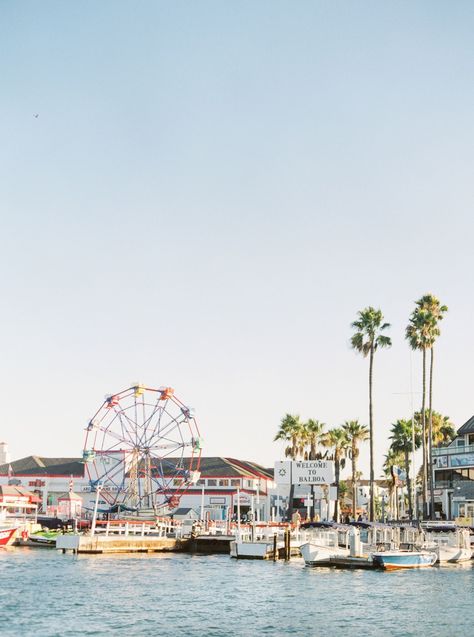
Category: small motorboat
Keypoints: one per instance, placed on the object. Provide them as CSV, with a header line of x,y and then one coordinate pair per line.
x,y
390,560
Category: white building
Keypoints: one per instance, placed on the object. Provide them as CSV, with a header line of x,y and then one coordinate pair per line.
x,y
223,485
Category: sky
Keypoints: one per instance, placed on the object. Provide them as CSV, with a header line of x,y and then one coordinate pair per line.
x,y
209,194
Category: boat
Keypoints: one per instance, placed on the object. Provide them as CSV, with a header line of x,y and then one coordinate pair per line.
x,y
43,538
390,560
7,535
321,546
450,543
264,542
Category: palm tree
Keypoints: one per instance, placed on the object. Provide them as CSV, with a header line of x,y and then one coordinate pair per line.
x,y
336,439
402,442
343,492
367,339
443,430
355,433
418,335
312,433
422,332
291,430
392,459
436,313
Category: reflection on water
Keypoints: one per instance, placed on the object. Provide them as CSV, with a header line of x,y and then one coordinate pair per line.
x,y
47,594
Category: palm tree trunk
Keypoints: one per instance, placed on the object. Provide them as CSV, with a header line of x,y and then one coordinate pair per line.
x,y
336,504
371,427
423,425
407,471
430,437
354,486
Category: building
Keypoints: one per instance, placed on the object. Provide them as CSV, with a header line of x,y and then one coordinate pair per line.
x,y
48,478
224,486
453,468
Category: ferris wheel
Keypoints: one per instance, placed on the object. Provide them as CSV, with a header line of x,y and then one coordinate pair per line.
x,y
143,448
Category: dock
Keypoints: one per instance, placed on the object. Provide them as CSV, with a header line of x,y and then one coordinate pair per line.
x,y
210,544
119,544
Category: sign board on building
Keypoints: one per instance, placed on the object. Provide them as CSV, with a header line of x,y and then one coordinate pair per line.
x,y
304,472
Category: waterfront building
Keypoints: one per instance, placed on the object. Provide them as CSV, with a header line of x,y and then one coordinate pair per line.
x,y
453,469
225,485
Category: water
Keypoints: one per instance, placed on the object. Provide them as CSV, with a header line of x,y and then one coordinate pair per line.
x,y
47,594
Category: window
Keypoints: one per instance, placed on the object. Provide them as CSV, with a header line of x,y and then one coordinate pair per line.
x,y
460,442
235,482
471,439
201,482
177,482
212,483
223,482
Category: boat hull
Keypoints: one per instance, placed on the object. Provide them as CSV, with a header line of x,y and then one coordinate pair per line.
x,y
313,553
7,536
392,560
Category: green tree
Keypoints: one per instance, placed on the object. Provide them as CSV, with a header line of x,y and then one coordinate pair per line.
x,y
367,339
421,333
443,430
336,439
291,430
356,434
312,433
392,459
432,305
402,442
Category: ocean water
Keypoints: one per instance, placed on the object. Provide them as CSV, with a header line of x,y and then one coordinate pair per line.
x,y
48,594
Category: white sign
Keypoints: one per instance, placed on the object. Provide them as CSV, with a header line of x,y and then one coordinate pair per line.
x,y
304,472
313,472
283,472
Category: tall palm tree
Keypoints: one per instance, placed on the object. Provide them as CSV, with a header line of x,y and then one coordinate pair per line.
x,y
291,430
337,440
418,336
436,313
355,433
402,442
312,432
367,339
422,332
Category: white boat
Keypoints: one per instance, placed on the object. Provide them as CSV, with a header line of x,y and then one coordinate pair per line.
x,y
322,545
451,544
259,543
260,550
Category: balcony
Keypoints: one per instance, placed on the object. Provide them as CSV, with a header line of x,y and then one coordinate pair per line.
x,y
451,451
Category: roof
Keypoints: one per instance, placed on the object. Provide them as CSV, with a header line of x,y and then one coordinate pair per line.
x,y
467,428
16,491
184,511
217,466
39,465
69,496
214,466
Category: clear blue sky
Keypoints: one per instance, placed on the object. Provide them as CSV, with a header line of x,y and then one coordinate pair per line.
x,y
210,193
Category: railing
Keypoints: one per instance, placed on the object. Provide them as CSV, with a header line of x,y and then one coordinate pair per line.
x,y
451,451
160,528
